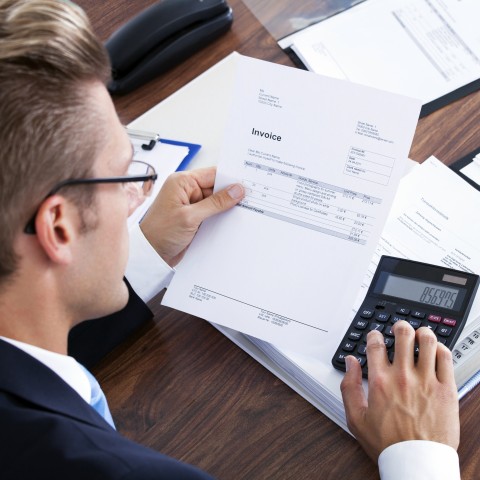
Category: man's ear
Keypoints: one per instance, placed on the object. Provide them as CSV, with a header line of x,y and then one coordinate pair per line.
x,y
55,228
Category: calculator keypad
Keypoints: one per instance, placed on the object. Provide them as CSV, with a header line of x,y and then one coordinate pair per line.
x,y
382,317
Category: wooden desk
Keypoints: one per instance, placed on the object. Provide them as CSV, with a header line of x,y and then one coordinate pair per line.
x,y
182,388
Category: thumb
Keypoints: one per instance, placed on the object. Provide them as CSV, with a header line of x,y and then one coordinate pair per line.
x,y
353,394
218,202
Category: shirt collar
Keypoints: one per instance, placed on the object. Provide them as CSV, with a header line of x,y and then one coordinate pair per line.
x,y
67,368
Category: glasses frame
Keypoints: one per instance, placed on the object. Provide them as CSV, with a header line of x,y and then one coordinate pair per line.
x,y
30,226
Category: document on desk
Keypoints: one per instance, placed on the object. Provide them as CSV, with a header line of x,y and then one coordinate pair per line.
x,y
320,160
421,48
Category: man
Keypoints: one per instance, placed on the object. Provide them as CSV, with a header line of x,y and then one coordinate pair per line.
x,y
66,194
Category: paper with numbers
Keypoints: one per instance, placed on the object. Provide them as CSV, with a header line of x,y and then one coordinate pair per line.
x,y
320,160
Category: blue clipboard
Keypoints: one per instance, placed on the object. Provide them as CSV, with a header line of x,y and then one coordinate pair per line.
x,y
193,149
150,139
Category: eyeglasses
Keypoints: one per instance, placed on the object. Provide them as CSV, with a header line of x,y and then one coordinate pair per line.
x,y
140,174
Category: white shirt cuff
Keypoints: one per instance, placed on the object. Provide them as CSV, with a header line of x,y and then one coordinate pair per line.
x,y
419,460
146,271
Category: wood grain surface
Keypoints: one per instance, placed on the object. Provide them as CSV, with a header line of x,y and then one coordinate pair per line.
x,y
182,388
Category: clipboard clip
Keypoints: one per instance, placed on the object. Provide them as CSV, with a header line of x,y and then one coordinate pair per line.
x,y
150,138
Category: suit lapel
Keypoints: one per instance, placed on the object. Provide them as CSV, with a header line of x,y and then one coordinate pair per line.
x,y
24,376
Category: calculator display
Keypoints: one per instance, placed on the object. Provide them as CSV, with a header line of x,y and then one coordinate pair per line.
x,y
421,291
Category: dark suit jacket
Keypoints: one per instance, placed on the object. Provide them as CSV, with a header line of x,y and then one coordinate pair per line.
x,y
91,340
47,431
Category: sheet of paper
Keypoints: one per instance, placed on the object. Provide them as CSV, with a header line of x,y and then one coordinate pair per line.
x,y
165,158
421,48
320,160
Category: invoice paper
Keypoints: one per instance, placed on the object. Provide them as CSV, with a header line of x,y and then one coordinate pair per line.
x,y
320,159
421,48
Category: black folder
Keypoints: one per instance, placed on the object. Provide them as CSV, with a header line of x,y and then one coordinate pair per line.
x,y
463,162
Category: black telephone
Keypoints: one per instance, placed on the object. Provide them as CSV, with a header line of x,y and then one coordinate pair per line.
x,y
162,36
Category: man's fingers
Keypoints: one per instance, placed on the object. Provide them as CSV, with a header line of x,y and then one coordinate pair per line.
x,y
444,364
353,394
205,177
404,344
376,352
218,202
427,345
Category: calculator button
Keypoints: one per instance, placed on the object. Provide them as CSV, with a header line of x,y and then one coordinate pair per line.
x,y
361,360
353,335
362,350
449,321
389,331
381,305
361,324
348,347
377,326
434,318
366,313
418,314
444,331
403,311
389,341
340,357
442,340
458,355
382,317
396,318
431,327
415,323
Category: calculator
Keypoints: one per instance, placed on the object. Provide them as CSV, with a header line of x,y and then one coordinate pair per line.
x,y
427,295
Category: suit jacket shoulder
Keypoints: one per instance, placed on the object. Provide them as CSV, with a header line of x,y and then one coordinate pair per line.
x,y
91,340
49,432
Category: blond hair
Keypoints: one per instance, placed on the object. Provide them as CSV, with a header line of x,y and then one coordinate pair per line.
x,y
49,129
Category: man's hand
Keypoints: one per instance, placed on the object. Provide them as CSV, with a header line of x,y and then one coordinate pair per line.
x,y
185,200
406,400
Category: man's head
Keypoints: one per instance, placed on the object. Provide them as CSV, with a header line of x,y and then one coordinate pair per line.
x,y
57,122
49,130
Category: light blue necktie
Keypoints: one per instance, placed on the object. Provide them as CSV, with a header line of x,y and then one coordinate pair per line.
x,y
98,400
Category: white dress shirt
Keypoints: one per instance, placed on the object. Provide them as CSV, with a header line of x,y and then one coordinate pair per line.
x,y
419,460
147,272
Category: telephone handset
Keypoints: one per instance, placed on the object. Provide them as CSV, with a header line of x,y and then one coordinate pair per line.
x,y
161,36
